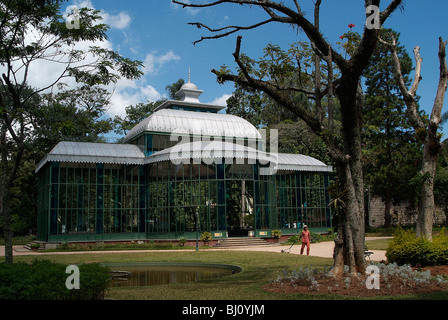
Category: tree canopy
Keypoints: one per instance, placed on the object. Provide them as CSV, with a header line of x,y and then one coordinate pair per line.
x,y
33,31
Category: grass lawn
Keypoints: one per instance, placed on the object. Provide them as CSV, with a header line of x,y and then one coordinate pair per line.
x,y
259,268
380,244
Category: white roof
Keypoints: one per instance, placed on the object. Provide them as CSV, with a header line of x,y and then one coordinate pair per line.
x,y
214,151
207,151
196,123
300,162
83,152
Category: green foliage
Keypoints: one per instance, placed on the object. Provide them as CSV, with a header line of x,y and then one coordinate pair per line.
x,y
349,42
45,280
247,104
206,236
292,68
182,241
32,31
315,237
391,149
174,88
134,115
72,115
406,248
223,71
276,233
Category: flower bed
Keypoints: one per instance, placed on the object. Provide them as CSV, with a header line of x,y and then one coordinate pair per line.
x,y
393,280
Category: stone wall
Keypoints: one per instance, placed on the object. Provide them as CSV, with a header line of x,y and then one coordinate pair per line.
x,y
402,214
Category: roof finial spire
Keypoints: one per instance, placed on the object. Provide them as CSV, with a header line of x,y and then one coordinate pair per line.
x,y
189,74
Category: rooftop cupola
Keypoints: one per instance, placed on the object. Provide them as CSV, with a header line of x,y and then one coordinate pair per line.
x,y
189,100
189,92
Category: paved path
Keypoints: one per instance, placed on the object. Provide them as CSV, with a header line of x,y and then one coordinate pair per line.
x,y
322,249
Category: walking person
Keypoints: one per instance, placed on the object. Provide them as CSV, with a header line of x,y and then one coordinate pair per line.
x,y
306,240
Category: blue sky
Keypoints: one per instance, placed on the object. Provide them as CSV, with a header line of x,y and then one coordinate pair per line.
x,y
156,32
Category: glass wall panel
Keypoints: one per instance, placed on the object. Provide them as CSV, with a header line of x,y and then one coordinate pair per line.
x,y
164,198
97,199
302,198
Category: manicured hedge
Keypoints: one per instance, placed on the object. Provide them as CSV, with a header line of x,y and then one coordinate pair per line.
x,y
45,280
406,248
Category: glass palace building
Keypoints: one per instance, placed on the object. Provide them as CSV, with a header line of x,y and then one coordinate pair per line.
x,y
186,166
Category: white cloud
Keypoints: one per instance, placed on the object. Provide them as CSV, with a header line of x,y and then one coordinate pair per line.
x,y
153,62
130,92
125,92
221,101
84,4
119,101
119,21
151,93
46,70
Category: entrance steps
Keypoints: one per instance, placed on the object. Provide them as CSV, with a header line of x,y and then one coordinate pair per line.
x,y
241,242
41,244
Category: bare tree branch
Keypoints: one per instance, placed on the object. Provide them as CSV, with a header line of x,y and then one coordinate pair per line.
x,y
408,95
299,10
317,60
290,16
225,34
278,95
436,115
389,10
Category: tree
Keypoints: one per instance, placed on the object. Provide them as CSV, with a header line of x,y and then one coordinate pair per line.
x,y
246,104
71,115
51,40
263,112
173,88
429,131
349,247
134,115
391,148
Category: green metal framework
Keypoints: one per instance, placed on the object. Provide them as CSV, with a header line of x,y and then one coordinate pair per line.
x,y
98,202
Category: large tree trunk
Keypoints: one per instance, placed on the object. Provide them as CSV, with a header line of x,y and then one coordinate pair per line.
x,y
431,151
351,175
428,171
5,196
349,244
432,140
9,169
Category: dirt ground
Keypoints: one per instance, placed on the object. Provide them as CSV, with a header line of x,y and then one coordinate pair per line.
x,y
356,287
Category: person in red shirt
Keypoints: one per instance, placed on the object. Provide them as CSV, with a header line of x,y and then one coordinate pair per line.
x,y
306,240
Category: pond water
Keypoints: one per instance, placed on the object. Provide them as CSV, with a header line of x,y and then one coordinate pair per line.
x,y
144,274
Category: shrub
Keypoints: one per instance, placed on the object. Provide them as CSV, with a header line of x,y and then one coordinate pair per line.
x,y
316,237
406,248
206,237
293,239
182,241
45,280
276,233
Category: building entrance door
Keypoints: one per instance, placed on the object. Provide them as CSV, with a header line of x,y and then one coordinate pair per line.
x,y
239,207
